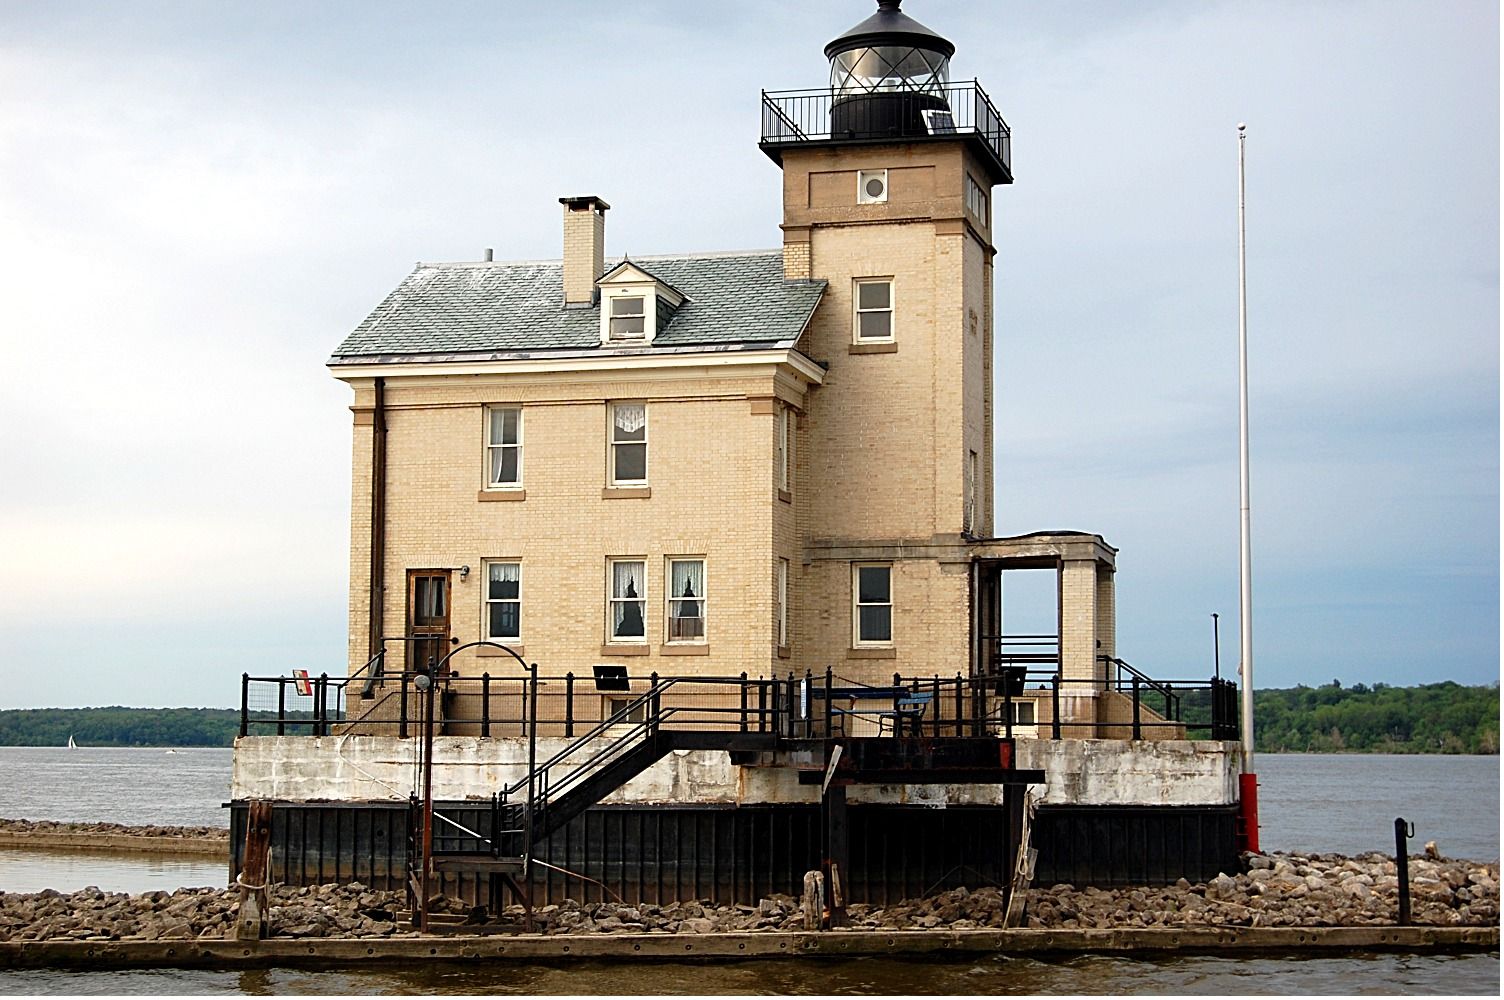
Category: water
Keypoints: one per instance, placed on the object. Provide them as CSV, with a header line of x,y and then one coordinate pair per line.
x,y
1347,803
1343,803
130,785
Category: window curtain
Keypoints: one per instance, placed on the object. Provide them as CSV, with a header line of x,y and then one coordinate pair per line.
x,y
504,590
631,417
627,607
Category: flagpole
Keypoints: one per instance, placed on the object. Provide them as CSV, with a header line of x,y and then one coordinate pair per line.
x,y
1248,782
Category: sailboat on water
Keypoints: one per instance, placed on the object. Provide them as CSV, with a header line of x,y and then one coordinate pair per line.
x,y
71,744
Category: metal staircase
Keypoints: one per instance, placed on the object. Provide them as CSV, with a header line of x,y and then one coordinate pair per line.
x,y
577,776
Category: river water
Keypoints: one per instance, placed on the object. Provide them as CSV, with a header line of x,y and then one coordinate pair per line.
x,y
1341,803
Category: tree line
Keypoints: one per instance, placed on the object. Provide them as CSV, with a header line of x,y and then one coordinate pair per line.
x,y
1430,718
1445,717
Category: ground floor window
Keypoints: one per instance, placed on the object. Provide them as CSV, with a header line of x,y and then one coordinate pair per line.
x,y
628,590
686,600
504,601
872,603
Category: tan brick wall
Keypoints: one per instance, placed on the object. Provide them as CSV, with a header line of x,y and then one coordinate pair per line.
x,y
706,439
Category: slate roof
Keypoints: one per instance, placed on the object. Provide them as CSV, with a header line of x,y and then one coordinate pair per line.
x,y
734,300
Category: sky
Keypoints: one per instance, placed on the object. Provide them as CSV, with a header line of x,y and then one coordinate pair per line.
x,y
198,201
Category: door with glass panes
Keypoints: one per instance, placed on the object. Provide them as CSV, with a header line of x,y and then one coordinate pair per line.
x,y
427,617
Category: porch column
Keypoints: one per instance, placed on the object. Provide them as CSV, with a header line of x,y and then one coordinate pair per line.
x,y
1080,670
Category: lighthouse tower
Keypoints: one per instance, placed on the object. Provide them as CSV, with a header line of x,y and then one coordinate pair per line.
x,y
888,179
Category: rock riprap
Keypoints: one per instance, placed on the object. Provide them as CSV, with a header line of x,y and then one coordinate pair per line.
x,y
1280,890
42,827
1287,890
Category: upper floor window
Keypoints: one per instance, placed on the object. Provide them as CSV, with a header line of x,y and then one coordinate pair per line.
x,y
686,600
628,317
874,310
504,448
628,600
969,514
504,601
781,447
629,443
976,199
872,604
782,596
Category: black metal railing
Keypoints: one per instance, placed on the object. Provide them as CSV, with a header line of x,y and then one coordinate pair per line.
x,y
1016,697
792,117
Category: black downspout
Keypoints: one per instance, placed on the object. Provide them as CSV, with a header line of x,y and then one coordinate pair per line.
x,y
378,517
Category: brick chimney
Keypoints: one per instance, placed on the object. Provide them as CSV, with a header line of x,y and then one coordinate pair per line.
x,y
584,247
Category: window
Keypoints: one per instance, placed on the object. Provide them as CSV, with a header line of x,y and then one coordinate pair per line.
x,y
628,589
874,310
504,448
629,443
628,320
781,448
872,588
976,199
782,597
504,601
871,187
620,704
1023,713
686,600
969,514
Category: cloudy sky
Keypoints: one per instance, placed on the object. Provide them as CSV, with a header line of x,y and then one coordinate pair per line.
x,y
197,202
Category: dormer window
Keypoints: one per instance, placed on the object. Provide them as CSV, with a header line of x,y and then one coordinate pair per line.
x,y
627,317
635,305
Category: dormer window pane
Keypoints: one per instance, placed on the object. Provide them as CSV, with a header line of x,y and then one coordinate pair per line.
x,y
627,317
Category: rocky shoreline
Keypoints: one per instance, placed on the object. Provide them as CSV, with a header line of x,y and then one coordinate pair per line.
x,y
1278,890
42,828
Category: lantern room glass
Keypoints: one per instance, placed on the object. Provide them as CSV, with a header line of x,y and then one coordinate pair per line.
x,y
882,68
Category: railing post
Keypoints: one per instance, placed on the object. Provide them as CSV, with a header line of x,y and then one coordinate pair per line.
x,y
1138,732
485,704
323,724
960,704
1005,679
245,704
808,707
788,707
744,701
1055,705
762,705
829,706
281,706
569,703
402,704
654,703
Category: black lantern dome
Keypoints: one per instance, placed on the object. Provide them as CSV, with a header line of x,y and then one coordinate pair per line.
x,y
889,51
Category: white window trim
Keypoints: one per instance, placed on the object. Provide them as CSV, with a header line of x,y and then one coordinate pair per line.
x,y
612,600
782,596
862,177
613,315
857,641
857,310
486,600
611,443
491,447
645,290
669,599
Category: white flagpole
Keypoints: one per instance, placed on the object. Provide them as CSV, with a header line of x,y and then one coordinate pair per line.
x,y
1245,575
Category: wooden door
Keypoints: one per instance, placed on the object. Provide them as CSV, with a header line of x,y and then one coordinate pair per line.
x,y
427,617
